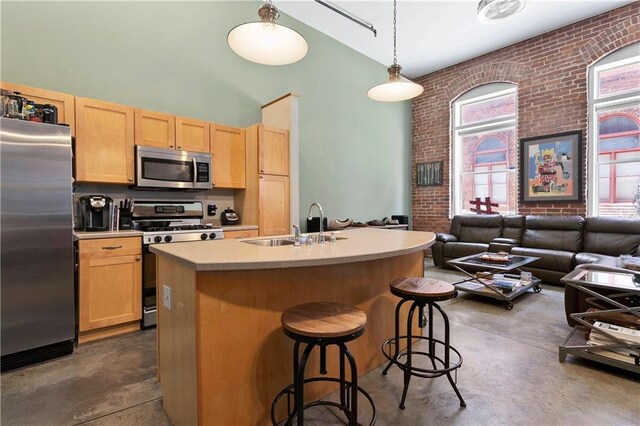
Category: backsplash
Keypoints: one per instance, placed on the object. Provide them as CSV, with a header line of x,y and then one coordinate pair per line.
x,y
222,198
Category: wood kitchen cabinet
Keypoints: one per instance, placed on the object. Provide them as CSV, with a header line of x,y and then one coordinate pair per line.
x,y
241,234
109,287
155,129
192,135
228,152
104,142
266,199
63,102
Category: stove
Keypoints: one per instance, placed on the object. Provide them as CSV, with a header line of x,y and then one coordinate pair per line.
x,y
165,222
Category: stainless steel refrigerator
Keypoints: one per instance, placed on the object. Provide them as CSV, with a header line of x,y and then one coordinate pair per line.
x,y
36,230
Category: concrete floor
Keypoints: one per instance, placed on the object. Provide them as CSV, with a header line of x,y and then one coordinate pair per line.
x,y
510,375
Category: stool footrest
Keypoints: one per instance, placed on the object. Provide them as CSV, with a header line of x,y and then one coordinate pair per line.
x,y
289,390
417,371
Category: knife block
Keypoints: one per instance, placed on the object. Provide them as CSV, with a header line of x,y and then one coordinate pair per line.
x,y
125,220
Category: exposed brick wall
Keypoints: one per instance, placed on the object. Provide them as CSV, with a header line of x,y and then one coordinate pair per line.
x,y
551,73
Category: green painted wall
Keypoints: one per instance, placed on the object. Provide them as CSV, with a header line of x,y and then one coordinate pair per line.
x,y
173,57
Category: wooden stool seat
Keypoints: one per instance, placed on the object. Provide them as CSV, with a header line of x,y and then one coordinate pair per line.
x,y
323,320
424,288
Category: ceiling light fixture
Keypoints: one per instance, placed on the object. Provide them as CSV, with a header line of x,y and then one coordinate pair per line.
x,y
499,10
267,42
397,88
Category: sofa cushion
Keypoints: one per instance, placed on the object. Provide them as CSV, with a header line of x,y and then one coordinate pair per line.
x,y
596,258
562,233
513,227
553,260
611,235
455,250
476,228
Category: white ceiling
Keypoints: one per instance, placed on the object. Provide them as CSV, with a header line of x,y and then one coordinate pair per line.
x,y
434,34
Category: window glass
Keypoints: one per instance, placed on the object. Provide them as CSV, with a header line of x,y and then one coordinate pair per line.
x,y
490,109
619,80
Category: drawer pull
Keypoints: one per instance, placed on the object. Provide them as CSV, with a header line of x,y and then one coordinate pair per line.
x,y
111,247
138,258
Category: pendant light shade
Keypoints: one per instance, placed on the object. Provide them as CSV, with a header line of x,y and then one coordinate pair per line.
x,y
267,42
396,88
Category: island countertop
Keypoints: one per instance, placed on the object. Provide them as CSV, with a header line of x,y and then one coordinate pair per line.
x,y
234,254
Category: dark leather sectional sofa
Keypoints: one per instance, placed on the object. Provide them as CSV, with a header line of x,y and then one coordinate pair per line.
x,y
561,242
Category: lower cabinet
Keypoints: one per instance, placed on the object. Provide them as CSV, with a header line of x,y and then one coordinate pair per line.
x,y
241,234
109,287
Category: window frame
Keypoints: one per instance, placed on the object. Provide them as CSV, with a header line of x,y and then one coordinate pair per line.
x,y
597,105
458,131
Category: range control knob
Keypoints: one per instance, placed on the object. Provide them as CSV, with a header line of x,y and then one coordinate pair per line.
x,y
212,236
203,236
168,238
157,239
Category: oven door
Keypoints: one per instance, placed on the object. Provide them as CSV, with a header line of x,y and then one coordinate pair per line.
x,y
167,168
149,308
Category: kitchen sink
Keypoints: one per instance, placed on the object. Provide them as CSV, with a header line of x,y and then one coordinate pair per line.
x,y
273,242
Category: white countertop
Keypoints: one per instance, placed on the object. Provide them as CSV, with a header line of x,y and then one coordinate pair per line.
x,y
83,235
233,254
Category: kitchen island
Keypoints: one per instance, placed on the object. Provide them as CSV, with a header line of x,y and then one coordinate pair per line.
x,y
222,356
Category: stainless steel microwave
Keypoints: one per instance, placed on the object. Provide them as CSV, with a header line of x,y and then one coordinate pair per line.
x,y
168,168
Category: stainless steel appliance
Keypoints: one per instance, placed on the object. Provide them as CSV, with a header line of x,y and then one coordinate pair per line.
x,y
37,264
168,168
229,217
164,222
96,211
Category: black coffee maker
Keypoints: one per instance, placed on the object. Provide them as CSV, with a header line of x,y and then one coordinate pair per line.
x,y
96,212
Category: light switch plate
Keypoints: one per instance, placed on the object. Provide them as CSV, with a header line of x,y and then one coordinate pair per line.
x,y
166,296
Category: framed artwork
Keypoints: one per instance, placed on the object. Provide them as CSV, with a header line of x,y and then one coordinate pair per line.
x,y
551,168
429,174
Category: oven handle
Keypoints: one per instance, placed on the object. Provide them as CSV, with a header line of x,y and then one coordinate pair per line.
x,y
111,247
195,172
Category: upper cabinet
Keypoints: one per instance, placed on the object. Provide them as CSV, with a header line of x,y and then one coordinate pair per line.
x,y
192,135
273,150
63,102
104,142
155,129
228,152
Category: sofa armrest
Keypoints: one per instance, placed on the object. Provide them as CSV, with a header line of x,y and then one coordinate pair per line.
x,y
502,244
446,238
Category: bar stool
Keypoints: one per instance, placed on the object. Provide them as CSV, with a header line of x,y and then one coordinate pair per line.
x,y
423,292
322,324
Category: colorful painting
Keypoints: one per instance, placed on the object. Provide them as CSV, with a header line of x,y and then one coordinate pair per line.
x,y
550,168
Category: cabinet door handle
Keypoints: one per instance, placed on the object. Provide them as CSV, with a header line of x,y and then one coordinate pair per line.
x,y
138,258
130,179
261,171
261,177
179,147
111,247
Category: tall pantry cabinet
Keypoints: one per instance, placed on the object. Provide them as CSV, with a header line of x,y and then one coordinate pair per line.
x,y
266,199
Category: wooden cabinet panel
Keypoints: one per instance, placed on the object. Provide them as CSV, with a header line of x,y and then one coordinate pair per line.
x,y
62,101
192,135
109,286
104,142
273,151
228,151
241,234
273,205
155,129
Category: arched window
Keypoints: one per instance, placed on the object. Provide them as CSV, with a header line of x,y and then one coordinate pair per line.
x,y
614,147
483,154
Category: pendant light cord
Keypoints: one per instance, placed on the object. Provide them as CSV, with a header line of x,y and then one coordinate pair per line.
x,y
395,56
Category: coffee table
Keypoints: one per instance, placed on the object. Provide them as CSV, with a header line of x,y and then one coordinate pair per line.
x,y
484,287
621,299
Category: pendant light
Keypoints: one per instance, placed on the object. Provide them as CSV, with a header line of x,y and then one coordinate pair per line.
x,y
267,42
397,88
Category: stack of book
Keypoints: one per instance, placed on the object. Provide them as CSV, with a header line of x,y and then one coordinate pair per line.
x,y
629,335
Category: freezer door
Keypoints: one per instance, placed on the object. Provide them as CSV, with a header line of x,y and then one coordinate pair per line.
x,y
37,265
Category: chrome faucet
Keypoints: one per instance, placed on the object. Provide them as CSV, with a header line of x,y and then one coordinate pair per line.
x,y
309,217
296,234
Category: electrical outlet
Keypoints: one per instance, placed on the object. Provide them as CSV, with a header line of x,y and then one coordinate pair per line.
x,y
211,209
166,296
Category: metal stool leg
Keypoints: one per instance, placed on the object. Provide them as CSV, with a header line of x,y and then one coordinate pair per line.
x,y
397,342
432,343
446,353
299,384
353,417
407,369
